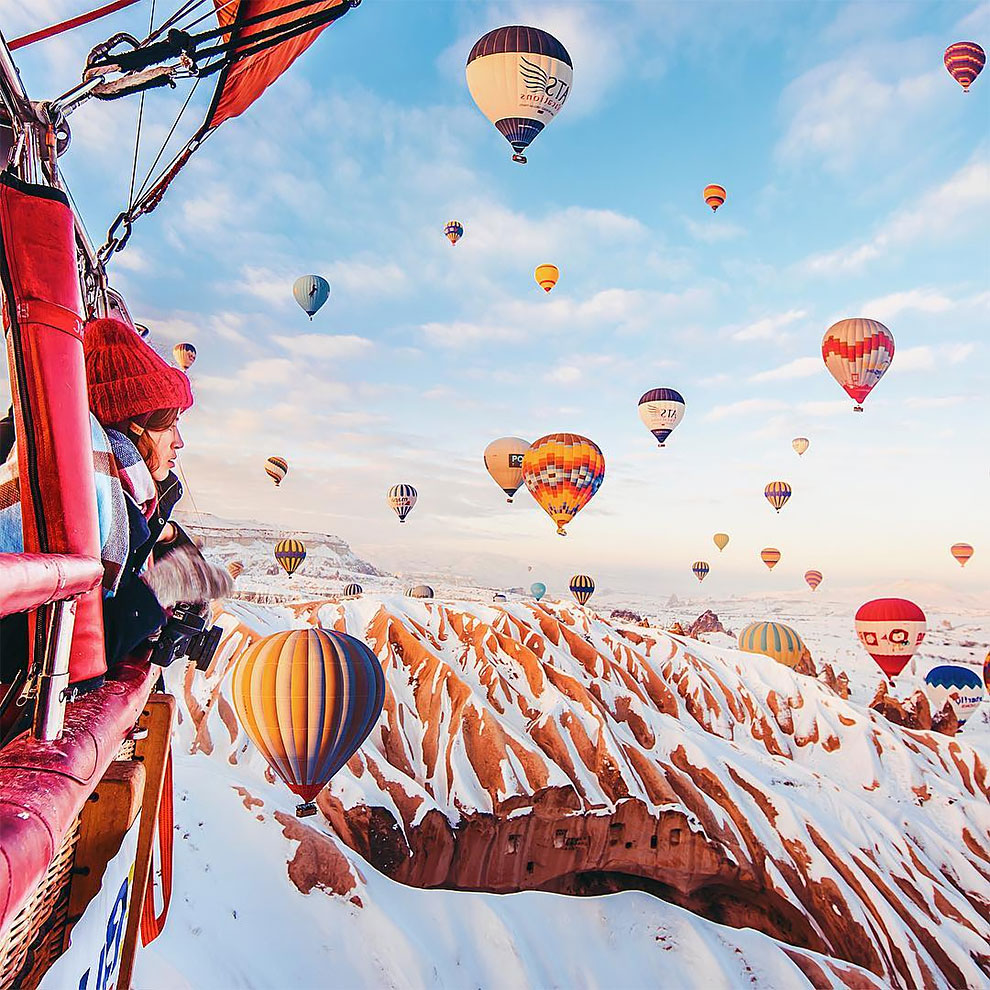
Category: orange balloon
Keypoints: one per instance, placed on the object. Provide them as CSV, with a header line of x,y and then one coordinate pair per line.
x,y
770,556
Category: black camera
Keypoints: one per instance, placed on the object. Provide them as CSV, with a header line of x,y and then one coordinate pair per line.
x,y
186,635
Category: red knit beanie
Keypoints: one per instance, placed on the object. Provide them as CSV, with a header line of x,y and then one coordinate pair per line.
x,y
127,378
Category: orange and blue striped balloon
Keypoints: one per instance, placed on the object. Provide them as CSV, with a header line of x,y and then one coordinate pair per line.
x,y
582,588
701,569
777,493
562,472
308,698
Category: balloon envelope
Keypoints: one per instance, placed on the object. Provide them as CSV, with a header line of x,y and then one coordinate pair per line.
x,y
964,61
890,629
311,292
290,554
774,640
419,591
184,355
961,686
700,569
504,460
857,353
714,196
770,556
352,590
308,698
582,588
546,276
721,540
520,78
562,472
661,409
962,552
800,444
814,578
453,230
235,569
538,589
402,498
777,493
276,468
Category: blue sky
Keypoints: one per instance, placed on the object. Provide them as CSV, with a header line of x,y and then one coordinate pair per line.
x,y
858,181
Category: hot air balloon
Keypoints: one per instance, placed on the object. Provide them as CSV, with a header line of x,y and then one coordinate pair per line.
x,y
276,468
562,472
721,540
582,588
538,589
184,355
890,629
308,698
770,556
504,459
857,353
964,61
661,409
960,686
402,498
352,590
714,196
986,672
235,569
800,444
777,493
701,569
546,276
774,640
419,591
814,578
311,292
290,554
453,230
498,597
962,552
520,78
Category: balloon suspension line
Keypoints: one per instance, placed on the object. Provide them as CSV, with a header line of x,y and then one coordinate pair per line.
x,y
187,489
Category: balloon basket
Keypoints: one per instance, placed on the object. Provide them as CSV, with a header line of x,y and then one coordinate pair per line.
x,y
521,159
305,810
857,408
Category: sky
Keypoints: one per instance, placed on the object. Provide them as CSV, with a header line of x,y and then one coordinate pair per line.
x,y
858,179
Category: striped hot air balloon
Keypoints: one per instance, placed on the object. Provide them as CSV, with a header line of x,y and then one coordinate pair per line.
x,y
890,629
520,78
290,554
546,276
352,590
777,493
721,540
308,698
700,569
582,588
562,472
235,569
800,445
714,196
774,640
402,498
857,353
661,409
538,589
770,556
961,687
276,468
504,459
814,578
184,355
964,61
311,292
453,230
419,591
962,552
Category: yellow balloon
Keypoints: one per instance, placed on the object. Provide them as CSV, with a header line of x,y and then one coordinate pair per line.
x,y
546,276
721,540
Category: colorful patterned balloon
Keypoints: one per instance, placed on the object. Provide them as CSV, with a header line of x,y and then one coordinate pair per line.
x,y
276,468
700,569
184,355
774,640
714,196
770,556
562,472
290,554
308,698
582,588
961,687
453,230
814,578
504,459
964,61
661,409
777,493
890,629
857,353
962,552
401,499
520,78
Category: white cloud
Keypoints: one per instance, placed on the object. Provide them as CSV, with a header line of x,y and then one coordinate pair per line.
x,y
803,367
887,308
324,346
744,407
833,407
564,374
934,401
925,358
766,328
714,230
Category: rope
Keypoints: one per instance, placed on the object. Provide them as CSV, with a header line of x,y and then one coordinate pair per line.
x,y
72,22
152,924
137,130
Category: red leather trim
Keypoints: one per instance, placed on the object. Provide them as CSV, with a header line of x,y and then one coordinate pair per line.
x,y
43,786
28,580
